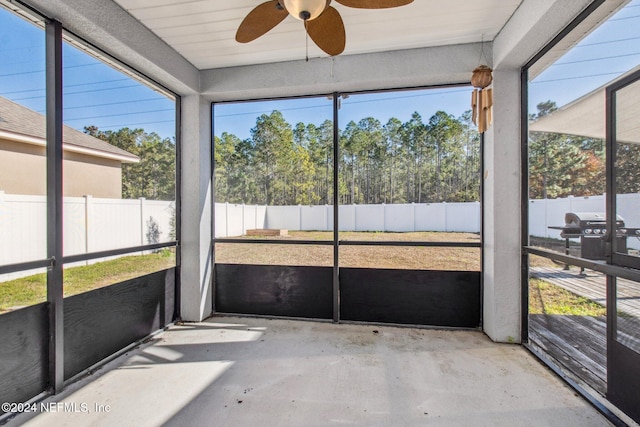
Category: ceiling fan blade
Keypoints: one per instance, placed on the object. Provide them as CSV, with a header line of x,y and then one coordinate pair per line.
x,y
327,31
374,4
260,20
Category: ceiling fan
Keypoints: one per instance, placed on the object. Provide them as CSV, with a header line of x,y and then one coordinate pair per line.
x,y
321,21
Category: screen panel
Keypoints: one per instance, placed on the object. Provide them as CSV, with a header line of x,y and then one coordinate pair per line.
x,y
23,144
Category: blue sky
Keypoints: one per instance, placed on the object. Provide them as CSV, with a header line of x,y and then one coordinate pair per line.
x,y
96,94
239,118
609,51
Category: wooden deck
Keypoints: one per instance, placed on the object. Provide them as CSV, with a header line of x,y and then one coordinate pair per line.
x,y
580,342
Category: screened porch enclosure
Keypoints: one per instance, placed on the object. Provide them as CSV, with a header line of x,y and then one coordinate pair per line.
x,y
349,213
160,180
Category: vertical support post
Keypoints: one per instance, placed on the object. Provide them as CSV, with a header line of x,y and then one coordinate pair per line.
x,y
611,208
336,236
197,205
502,309
212,194
482,254
54,203
178,207
524,205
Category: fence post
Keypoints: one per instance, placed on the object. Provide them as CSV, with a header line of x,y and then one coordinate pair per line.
x,y
265,223
326,216
141,221
299,217
87,224
384,218
244,227
355,217
446,216
226,219
413,211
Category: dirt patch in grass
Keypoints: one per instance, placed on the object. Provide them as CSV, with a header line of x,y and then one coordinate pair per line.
x,y
538,261
413,258
417,236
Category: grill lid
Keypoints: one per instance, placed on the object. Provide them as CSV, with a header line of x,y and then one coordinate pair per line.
x,y
583,219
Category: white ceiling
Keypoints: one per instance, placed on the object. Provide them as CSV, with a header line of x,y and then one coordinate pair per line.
x,y
203,31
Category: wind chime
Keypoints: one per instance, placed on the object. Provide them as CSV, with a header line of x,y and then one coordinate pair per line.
x,y
482,97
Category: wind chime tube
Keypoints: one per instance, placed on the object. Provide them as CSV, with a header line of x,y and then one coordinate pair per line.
x,y
489,106
474,106
481,104
482,126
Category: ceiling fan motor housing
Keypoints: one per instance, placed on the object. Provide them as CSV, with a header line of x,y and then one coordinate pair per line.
x,y
305,10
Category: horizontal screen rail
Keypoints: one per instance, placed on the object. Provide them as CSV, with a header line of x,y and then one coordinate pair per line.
x,y
113,252
45,263
274,241
600,266
410,243
352,243
12,268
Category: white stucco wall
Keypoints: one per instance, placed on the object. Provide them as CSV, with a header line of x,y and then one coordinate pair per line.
x,y
196,248
502,223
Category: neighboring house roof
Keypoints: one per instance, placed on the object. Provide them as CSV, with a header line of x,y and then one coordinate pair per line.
x,y
19,123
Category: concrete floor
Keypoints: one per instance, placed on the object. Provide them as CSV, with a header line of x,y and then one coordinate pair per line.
x,y
255,372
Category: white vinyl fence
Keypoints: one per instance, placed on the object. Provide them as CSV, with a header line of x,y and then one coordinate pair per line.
x,y
90,225
550,212
235,220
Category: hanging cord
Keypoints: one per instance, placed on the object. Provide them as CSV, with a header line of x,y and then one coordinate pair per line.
x,y
306,44
482,54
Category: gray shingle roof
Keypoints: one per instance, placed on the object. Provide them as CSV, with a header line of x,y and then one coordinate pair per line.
x,y
19,119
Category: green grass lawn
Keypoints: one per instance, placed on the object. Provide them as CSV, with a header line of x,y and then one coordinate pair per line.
x,y
546,298
33,289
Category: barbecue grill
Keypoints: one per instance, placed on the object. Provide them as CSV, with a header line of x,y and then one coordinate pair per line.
x,y
591,228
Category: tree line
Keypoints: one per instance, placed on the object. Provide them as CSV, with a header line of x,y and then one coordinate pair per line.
x,y
154,176
415,161
564,165
396,162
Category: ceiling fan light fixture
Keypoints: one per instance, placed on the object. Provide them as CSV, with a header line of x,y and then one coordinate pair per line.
x,y
305,10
